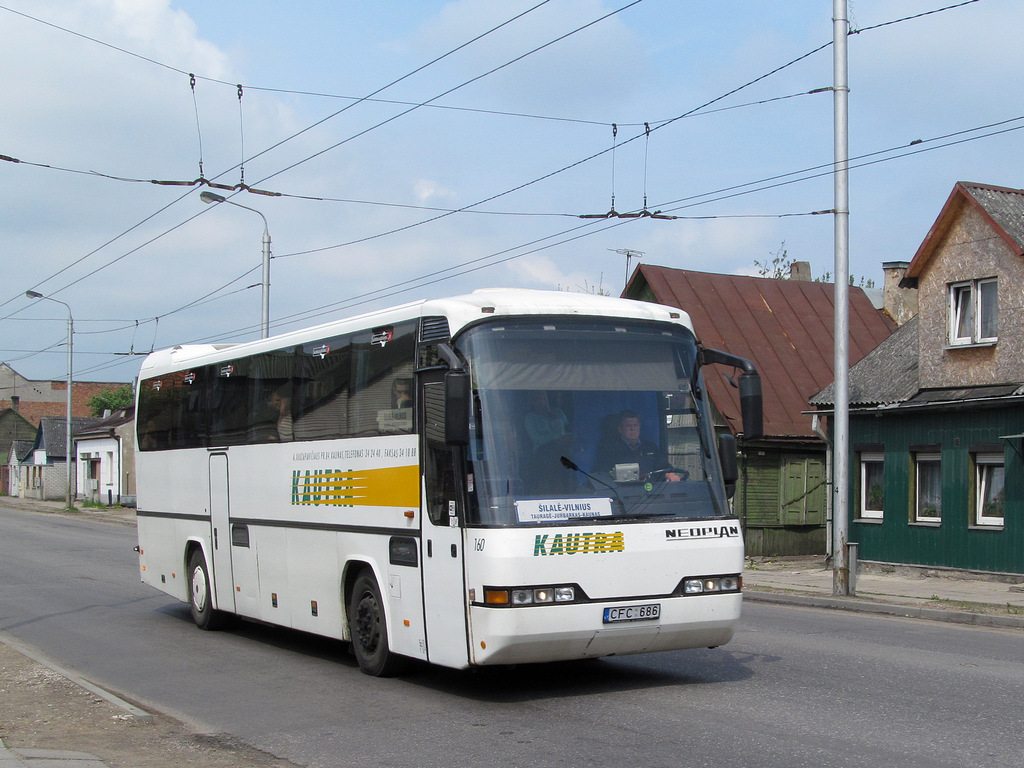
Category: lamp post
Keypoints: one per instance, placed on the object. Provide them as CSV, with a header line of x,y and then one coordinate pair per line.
x,y
212,197
68,445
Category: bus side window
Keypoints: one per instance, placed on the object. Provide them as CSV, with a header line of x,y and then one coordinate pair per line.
x,y
382,359
321,389
270,398
229,403
438,461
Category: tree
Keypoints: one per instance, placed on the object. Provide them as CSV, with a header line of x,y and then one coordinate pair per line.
x,y
111,400
778,267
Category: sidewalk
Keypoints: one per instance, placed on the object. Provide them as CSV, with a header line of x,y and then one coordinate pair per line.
x,y
925,593
122,515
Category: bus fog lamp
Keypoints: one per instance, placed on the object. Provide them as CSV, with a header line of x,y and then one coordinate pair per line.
x,y
522,596
545,595
565,594
730,583
693,586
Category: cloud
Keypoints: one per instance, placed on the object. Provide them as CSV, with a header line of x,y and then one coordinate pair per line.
x,y
427,191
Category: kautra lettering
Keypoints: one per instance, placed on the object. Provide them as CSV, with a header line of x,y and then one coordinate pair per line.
x,y
321,486
578,543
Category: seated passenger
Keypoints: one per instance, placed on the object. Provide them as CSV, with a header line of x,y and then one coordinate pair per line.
x,y
545,422
626,447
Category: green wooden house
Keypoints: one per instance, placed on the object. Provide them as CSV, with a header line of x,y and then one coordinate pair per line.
x,y
937,410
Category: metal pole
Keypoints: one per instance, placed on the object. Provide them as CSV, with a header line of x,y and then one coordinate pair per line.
x,y
213,197
69,449
841,90
265,317
68,445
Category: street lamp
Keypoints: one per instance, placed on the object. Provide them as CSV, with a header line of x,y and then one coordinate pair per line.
x,y
212,197
68,446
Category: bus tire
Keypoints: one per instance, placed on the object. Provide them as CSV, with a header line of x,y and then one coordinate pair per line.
x,y
201,593
368,628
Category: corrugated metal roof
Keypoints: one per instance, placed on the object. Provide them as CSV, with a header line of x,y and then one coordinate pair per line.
x,y
52,434
106,424
1005,206
955,394
22,449
785,327
888,374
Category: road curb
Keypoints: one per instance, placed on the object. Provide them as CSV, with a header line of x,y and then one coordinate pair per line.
x,y
856,605
136,713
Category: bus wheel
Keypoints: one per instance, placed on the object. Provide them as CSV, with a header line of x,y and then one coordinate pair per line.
x,y
200,593
369,630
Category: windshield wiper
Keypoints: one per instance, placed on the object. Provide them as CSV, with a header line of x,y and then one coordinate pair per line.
x,y
570,464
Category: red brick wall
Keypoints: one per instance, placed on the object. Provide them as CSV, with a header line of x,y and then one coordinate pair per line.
x,y
81,393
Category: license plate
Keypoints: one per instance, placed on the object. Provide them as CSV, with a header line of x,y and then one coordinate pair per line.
x,y
647,612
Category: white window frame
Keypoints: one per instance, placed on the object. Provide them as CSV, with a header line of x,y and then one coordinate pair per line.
x,y
984,463
968,316
922,459
864,511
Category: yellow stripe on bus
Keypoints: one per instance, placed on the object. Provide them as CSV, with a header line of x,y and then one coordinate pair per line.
x,y
385,487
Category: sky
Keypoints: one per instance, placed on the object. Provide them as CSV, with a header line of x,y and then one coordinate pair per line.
x,y
416,149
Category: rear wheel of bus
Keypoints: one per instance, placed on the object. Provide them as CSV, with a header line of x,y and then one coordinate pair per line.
x,y
368,628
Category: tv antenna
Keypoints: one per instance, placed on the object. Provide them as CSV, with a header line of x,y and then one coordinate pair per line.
x,y
630,254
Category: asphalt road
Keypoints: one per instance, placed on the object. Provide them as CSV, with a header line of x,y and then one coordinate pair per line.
x,y
796,687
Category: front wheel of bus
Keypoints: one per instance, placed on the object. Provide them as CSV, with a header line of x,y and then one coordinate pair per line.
x,y
369,631
200,593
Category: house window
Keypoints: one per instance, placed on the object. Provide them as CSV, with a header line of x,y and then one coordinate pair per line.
x,y
989,495
872,488
973,312
927,488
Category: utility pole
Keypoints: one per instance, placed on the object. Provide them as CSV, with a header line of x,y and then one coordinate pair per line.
x,y
841,580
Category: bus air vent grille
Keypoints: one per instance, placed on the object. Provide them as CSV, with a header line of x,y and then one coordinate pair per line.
x,y
433,329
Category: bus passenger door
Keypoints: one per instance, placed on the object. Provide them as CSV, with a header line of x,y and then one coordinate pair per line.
x,y
444,591
220,501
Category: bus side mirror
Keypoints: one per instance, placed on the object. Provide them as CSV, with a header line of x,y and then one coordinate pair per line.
x,y
730,467
750,406
456,412
749,386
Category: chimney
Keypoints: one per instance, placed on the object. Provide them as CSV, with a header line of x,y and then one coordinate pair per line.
x,y
800,270
899,303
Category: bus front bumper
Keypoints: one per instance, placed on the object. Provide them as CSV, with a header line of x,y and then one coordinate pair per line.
x,y
525,634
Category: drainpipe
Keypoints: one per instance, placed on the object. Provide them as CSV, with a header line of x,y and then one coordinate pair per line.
x,y
817,428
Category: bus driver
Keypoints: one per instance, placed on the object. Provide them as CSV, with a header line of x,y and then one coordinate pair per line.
x,y
627,447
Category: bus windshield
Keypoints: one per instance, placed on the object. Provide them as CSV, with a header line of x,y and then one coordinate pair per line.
x,y
588,420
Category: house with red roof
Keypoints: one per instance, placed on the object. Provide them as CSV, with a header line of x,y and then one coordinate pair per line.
x,y
785,327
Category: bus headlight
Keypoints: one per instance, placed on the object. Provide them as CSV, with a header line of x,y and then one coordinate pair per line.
x,y
514,596
712,584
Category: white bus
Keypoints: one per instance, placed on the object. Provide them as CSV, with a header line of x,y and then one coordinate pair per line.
x,y
456,481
